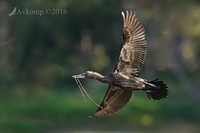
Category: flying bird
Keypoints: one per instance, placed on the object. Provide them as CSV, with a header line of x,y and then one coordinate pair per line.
x,y
124,79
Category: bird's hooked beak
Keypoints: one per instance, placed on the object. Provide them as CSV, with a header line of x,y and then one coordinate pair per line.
x,y
79,76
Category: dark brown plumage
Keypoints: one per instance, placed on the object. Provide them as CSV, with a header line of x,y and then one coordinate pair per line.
x,y
134,46
125,77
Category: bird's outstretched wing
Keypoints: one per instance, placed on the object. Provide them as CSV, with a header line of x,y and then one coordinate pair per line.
x,y
114,100
134,46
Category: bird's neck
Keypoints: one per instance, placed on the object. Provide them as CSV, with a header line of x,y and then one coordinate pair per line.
x,y
99,77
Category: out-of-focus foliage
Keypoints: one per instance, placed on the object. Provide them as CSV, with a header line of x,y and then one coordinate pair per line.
x,y
39,54
48,49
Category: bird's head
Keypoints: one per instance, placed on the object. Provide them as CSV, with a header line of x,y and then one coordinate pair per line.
x,y
87,74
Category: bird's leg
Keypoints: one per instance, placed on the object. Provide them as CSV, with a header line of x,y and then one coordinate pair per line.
x,y
81,87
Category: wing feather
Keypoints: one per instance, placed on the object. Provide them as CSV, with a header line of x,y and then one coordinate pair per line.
x,y
114,100
134,46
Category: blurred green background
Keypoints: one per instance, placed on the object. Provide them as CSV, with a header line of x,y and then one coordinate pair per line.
x,y
39,54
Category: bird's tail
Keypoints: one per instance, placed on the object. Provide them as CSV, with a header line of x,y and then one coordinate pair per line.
x,y
156,89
